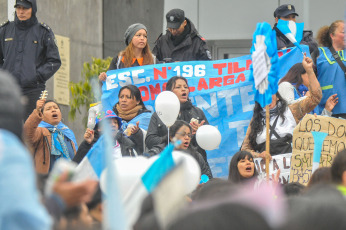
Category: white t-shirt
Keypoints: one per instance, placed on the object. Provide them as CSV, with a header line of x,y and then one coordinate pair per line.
x,y
281,128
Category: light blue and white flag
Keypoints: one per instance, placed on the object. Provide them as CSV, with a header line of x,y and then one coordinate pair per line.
x,y
147,183
264,68
114,215
93,163
292,30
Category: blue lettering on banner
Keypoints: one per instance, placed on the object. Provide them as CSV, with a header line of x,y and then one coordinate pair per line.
x,y
220,88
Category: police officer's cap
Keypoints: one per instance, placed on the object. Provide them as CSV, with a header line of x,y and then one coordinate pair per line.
x,y
24,3
175,18
284,11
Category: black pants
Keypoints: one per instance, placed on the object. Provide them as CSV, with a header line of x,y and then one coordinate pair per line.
x,y
31,99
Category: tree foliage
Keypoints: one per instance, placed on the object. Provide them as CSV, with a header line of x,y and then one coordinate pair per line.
x,y
88,90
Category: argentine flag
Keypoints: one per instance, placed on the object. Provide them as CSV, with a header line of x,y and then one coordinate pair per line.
x,y
292,30
264,68
93,163
147,183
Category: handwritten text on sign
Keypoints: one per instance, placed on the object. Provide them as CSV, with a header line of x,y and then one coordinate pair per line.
x,y
304,144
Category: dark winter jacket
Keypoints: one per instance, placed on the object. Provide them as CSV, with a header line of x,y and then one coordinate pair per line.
x,y
127,146
157,131
282,41
192,48
205,169
28,51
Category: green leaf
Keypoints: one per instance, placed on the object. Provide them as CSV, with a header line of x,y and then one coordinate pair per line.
x,y
82,92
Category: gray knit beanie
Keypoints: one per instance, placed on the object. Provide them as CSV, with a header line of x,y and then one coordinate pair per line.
x,y
131,31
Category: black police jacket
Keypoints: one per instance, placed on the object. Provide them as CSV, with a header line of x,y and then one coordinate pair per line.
x,y
192,48
29,52
282,41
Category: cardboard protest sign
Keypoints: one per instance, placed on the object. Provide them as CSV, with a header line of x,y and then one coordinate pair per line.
x,y
306,141
282,162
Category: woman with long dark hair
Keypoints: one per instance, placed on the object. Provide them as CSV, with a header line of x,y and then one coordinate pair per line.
x,y
242,167
293,87
134,115
181,130
283,119
157,131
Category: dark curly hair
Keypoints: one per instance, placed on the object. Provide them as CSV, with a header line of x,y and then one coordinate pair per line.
x,y
258,120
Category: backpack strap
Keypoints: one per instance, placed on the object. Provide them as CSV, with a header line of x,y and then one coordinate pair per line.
x,y
337,59
272,129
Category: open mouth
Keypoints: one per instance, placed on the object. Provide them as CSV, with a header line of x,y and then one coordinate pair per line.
x,y
186,144
55,115
249,168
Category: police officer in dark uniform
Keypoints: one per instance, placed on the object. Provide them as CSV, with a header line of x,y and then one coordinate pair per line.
x,y
287,12
181,41
28,51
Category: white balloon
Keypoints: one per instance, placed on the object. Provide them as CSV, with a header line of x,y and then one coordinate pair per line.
x,y
192,171
167,107
129,170
208,137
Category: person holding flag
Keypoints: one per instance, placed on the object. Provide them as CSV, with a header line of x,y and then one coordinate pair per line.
x,y
287,13
283,119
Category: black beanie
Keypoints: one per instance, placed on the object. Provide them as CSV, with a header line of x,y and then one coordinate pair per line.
x,y
11,108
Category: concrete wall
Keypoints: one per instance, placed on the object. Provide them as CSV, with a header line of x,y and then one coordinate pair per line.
x,y
228,24
119,15
3,11
234,19
81,21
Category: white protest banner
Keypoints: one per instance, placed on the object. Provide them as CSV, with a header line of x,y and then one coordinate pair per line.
x,y
282,162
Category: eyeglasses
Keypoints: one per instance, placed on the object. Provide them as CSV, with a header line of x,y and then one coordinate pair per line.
x,y
185,134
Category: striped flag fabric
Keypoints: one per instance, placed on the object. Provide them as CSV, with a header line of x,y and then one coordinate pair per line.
x,y
264,68
292,30
147,183
93,163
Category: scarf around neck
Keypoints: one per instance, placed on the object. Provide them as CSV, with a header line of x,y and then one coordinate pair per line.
x,y
273,112
58,147
128,115
66,131
176,40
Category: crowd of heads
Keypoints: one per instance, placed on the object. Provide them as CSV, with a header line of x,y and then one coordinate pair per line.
x,y
220,203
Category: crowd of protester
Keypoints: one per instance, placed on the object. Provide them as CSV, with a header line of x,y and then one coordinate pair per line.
x,y
32,144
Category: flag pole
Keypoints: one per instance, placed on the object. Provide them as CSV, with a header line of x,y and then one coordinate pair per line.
x,y
267,142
